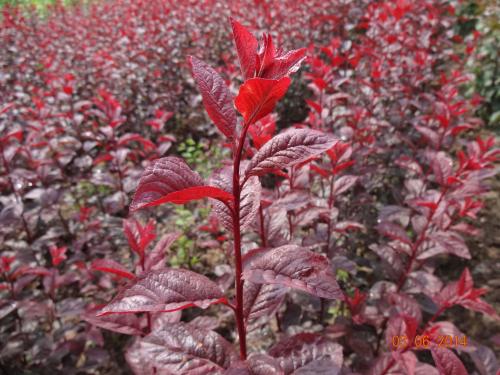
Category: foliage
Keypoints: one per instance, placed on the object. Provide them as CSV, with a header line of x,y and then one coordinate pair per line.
x,y
327,244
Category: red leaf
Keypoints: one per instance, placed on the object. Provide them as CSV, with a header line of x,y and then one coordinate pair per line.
x,y
6,108
131,137
257,97
110,266
274,63
216,96
295,267
165,290
246,46
17,134
138,236
182,349
171,180
316,106
462,293
447,362
283,64
58,254
465,283
287,149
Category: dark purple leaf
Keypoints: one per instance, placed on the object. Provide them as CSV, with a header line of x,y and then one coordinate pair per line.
x,y
296,352
393,231
165,290
257,364
394,364
430,134
127,324
400,325
170,179
156,258
442,166
249,198
425,369
261,300
262,364
6,307
446,243
389,255
216,96
343,184
295,267
182,349
485,360
287,149
423,282
405,304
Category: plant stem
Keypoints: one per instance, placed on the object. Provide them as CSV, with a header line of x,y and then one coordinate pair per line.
x,y
419,242
240,323
262,231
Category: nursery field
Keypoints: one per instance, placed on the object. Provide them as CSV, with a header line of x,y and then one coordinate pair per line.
x,y
249,187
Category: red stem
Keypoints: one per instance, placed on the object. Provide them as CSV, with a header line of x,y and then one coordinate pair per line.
x,y
419,242
240,323
262,231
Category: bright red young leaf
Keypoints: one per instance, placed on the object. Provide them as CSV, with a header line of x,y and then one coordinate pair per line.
x,y
182,349
165,290
287,149
462,293
110,266
295,267
447,362
258,97
274,63
139,236
171,180
246,46
216,96
58,254
269,62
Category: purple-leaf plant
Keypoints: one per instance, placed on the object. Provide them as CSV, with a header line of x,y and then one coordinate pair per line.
x,y
263,275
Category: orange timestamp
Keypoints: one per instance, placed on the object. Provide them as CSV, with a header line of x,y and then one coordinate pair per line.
x,y
425,342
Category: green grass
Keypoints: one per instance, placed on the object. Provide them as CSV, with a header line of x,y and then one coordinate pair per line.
x,y
41,5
